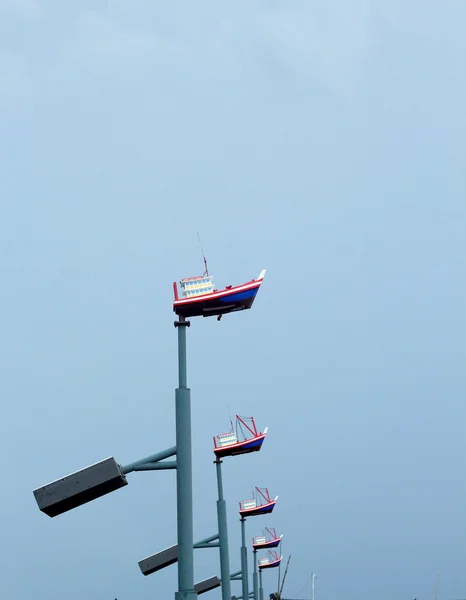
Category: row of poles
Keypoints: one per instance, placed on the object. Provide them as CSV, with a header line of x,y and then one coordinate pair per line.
x,y
107,476
185,510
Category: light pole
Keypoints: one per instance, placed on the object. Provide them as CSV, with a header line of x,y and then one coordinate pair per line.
x,y
199,298
261,504
272,562
107,476
244,560
223,535
246,440
184,476
255,581
269,539
314,577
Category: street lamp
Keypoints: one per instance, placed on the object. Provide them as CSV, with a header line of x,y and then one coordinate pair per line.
x,y
199,299
95,481
80,487
206,585
170,556
260,504
243,439
271,562
269,539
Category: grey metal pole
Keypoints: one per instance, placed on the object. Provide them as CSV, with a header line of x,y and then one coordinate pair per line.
x,y
184,476
244,559
223,535
261,589
254,581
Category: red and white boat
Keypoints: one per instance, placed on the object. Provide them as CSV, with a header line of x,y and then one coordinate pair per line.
x,y
261,504
269,539
199,298
240,440
272,561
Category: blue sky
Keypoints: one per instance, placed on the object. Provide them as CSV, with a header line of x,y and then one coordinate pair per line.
x,y
324,141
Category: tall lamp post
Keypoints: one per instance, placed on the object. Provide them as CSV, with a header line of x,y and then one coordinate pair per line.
x,y
255,583
184,472
271,562
223,535
314,577
244,440
244,560
261,504
269,539
200,299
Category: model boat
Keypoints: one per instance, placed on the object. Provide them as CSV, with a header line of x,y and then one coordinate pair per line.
x,y
199,298
269,539
272,561
240,440
261,504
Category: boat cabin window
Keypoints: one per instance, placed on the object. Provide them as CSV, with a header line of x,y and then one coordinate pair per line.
x,y
226,439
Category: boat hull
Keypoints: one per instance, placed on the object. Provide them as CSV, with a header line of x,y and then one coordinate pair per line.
x,y
265,509
245,447
211,307
271,565
266,545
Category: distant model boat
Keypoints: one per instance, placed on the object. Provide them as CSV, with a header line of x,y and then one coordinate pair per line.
x,y
200,299
243,440
272,561
269,539
261,504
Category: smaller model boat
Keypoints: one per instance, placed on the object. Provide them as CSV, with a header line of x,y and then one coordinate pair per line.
x,y
269,539
240,440
272,561
200,299
261,504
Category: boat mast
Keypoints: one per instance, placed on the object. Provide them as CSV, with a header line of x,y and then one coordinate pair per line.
x,y
206,272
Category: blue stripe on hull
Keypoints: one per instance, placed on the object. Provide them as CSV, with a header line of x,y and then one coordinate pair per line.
x,y
239,296
253,444
265,509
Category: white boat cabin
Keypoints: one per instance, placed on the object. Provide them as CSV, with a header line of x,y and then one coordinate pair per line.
x,y
246,504
197,286
263,561
227,439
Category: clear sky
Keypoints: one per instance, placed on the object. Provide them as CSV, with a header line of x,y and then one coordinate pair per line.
x,y
323,140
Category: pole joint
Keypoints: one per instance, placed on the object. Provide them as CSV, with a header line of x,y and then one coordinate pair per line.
x,y
182,323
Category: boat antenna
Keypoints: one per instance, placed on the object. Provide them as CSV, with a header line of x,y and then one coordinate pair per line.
x,y
229,415
206,272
